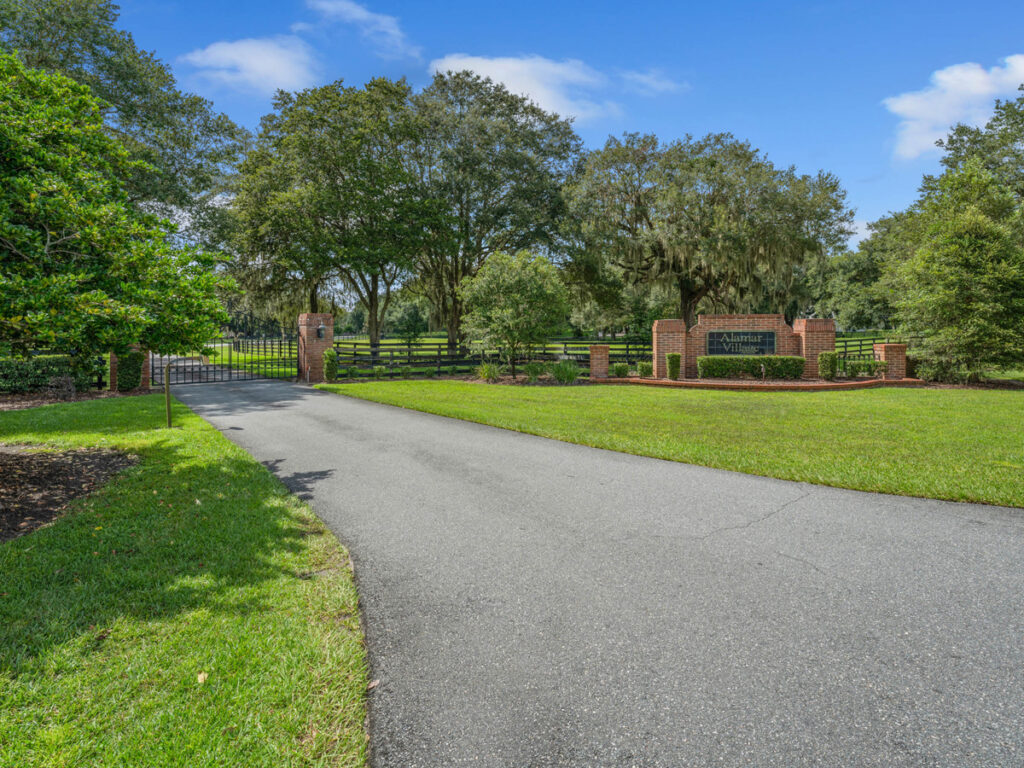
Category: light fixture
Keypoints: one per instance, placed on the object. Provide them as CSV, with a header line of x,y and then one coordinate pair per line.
x,y
320,330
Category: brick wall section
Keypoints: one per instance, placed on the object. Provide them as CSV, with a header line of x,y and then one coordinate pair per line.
x,y
806,338
895,357
816,335
668,336
786,342
311,348
599,361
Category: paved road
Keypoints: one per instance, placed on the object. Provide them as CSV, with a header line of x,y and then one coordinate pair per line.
x,y
534,603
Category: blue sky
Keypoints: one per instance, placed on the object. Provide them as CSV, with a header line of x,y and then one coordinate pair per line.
x,y
860,89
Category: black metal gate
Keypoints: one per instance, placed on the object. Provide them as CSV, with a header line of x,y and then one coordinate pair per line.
x,y
229,359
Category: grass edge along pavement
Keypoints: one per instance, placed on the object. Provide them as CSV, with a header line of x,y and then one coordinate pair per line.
x,y
953,444
189,613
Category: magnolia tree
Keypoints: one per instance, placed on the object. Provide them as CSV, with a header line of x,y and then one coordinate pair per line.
x,y
81,269
514,303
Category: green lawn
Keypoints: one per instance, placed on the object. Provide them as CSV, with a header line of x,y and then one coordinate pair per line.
x,y
966,445
194,562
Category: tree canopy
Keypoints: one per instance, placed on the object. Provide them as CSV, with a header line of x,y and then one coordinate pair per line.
x,y
80,269
187,150
711,219
326,194
496,163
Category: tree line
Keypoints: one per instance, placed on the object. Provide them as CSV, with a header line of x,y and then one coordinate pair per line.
x,y
383,203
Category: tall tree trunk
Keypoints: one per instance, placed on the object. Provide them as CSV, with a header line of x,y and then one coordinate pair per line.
x,y
314,300
454,323
689,298
372,318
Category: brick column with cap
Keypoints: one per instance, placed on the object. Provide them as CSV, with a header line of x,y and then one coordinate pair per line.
x,y
313,344
895,358
668,336
599,361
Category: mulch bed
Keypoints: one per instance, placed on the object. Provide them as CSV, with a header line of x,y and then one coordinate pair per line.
x,y
10,402
36,486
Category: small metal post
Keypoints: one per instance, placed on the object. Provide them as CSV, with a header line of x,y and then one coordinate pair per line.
x,y
167,391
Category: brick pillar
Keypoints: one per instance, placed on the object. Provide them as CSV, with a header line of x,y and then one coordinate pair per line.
x,y
816,335
599,361
668,336
144,377
895,358
312,345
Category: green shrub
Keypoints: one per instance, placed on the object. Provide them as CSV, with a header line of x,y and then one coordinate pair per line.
x,y
533,371
673,360
757,366
330,364
406,372
855,368
352,372
380,371
129,371
489,372
33,374
564,371
620,370
453,370
828,365
645,369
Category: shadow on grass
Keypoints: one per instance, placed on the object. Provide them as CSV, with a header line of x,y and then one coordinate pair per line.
x,y
197,524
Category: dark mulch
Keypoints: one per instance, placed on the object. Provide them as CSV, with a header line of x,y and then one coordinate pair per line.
x,y
36,486
10,402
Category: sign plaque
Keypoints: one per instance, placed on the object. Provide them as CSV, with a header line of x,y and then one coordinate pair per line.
x,y
741,342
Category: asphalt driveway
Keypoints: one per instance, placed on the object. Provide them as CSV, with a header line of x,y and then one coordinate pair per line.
x,y
534,603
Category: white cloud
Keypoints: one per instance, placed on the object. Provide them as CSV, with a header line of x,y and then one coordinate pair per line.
x,y
564,87
962,93
651,82
383,31
259,65
860,232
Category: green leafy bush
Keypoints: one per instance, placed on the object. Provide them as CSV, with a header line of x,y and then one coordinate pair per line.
x,y
757,366
533,371
645,369
406,372
855,368
673,360
352,372
620,370
453,370
33,374
380,371
129,371
489,372
330,364
828,365
564,371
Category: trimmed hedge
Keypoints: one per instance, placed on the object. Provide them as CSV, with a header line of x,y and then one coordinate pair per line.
x,y
129,371
33,374
828,365
645,369
737,366
673,361
620,370
855,368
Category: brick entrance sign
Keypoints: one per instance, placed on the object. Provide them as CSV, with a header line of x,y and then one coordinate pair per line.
x,y
316,335
741,335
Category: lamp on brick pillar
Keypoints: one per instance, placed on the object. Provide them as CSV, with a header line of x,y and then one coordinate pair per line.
x,y
316,335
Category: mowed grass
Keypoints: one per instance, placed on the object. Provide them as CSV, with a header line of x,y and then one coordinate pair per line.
x,y
964,445
189,613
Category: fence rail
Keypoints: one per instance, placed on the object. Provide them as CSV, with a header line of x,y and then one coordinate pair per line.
x,y
425,359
